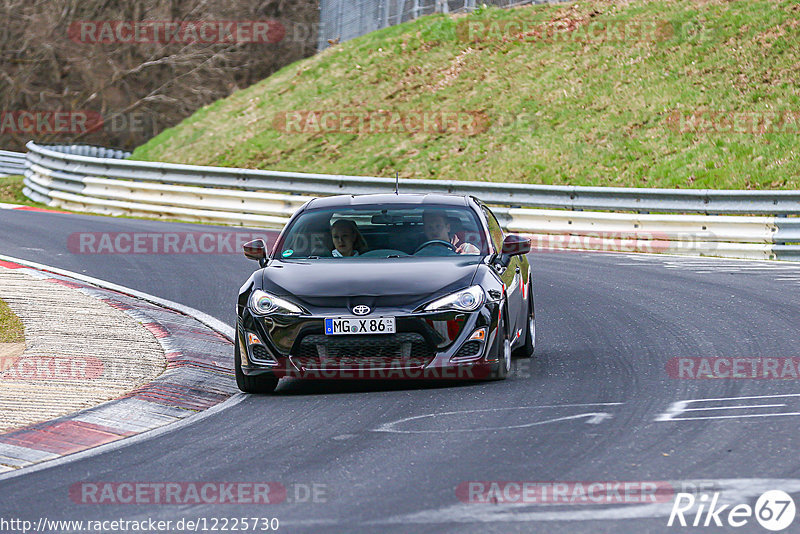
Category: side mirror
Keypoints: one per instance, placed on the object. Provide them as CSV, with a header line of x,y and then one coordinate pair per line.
x,y
256,250
514,245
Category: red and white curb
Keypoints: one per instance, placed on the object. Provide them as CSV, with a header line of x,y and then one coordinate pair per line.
x,y
198,379
22,207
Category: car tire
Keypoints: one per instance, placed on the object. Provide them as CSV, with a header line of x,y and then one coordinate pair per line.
x,y
527,350
252,384
502,369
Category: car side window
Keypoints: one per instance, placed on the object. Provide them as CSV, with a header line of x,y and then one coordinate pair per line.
x,y
495,231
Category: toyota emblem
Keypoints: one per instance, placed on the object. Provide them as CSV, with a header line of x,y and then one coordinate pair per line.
x,y
361,309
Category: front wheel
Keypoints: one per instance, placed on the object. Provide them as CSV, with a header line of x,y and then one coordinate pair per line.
x,y
502,368
252,384
527,350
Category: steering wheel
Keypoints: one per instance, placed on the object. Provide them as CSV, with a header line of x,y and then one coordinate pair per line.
x,y
439,242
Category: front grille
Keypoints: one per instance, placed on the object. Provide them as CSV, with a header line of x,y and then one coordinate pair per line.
x,y
395,351
468,349
259,352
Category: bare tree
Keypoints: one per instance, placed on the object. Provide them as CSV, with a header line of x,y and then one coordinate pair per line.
x,y
115,89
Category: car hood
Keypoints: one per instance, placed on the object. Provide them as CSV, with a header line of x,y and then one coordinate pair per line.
x,y
398,282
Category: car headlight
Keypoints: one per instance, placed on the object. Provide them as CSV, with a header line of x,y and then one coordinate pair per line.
x,y
468,300
263,303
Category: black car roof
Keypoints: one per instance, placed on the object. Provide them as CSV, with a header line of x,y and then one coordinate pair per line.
x,y
388,198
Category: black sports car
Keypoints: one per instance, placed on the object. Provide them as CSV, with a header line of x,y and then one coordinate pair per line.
x,y
385,286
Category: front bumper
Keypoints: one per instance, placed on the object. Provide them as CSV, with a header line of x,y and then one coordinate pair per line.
x,y
426,346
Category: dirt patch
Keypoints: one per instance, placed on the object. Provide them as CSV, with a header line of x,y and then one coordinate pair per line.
x,y
9,354
452,72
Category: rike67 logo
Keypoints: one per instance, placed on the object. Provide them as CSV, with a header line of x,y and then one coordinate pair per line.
x,y
774,510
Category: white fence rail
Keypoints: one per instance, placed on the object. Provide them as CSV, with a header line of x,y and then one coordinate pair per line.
x,y
107,183
11,163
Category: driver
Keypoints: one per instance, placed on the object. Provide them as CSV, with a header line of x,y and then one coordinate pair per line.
x,y
436,227
316,240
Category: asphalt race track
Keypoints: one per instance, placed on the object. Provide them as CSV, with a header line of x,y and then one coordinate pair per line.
x,y
596,403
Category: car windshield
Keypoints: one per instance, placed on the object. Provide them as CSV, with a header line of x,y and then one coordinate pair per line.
x,y
383,231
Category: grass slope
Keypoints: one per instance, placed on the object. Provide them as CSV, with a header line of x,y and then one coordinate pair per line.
x,y
572,110
11,328
11,192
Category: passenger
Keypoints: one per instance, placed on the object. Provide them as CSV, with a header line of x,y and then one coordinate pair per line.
x,y
347,239
436,227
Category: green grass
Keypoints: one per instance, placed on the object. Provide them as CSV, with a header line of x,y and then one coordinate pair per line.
x,y
563,112
11,192
11,329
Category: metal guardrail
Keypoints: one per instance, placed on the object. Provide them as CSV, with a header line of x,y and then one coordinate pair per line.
x,y
90,151
751,237
705,201
11,163
105,182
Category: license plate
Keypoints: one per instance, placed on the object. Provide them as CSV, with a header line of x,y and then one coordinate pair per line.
x,y
356,325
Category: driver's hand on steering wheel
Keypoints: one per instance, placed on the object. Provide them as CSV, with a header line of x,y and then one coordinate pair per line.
x,y
467,248
464,248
